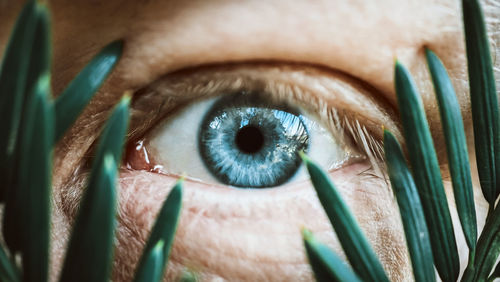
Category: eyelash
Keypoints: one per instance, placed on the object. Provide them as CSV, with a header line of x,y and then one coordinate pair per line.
x,y
176,90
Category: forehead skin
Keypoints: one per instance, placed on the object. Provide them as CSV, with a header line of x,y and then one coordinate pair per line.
x,y
361,38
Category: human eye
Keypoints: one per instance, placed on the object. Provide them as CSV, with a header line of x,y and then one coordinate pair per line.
x,y
244,127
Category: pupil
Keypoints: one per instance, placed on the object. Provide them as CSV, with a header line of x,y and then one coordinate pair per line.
x,y
249,139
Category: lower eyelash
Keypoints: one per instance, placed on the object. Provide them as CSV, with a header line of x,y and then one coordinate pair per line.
x,y
369,145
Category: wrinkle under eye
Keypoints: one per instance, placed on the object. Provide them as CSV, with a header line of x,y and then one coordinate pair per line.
x,y
246,143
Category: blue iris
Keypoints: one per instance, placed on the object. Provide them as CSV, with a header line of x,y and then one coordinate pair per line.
x,y
245,142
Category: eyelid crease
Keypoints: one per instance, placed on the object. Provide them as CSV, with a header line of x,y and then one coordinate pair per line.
x,y
342,103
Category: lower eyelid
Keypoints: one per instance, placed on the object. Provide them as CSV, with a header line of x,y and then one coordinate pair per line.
x,y
150,184
142,193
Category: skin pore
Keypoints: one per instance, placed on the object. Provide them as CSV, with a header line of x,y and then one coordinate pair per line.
x,y
251,235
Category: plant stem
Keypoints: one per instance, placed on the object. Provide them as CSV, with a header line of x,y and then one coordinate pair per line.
x,y
488,248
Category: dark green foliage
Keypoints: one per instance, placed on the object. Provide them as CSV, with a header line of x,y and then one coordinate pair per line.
x,y
417,235
485,116
427,176
495,274
484,101
357,249
28,207
164,229
326,265
152,268
76,96
36,161
113,135
458,157
89,255
188,276
8,272
487,250
27,114
13,86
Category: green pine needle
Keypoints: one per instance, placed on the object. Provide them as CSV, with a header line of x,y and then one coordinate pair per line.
x,y
487,250
89,255
13,88
153,264
188,276
410,207
163,229
327,266
113,135
39,66
427,176
35,190
76,96
484,101
8,270
458,156
90,251
357,249
28,98
41,53
495,274
27,210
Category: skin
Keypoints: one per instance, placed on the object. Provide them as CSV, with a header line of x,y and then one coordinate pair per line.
x,y
225,233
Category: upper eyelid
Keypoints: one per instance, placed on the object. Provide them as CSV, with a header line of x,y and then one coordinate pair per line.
x,y
305,83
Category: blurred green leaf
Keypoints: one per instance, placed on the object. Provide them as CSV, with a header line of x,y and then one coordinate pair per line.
x,y
495,274
357,249
487,249
427,176
153,264
13,74
188,276
37,76
8,270
35,174
410,207
164,229
113,135
458,157
484,101
41,52
90,251
327,266
89,255
76,96
28,207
